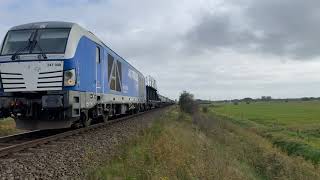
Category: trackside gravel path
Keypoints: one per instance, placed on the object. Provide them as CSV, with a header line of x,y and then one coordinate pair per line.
x,y
70,157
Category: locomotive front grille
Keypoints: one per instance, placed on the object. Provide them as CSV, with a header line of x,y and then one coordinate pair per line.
x,y
12,81
31,76
50,80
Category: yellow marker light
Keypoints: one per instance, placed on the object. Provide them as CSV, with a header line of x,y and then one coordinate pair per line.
x,y
71,82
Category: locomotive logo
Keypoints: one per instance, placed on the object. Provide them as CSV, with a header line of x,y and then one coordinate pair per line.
x,y
115,74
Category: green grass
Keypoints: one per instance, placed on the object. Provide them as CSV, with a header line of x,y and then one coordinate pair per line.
x,y
295,115
173,148
8,127
180,146
292,126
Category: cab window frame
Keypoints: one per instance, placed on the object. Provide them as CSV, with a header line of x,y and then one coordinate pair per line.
x,y
35,29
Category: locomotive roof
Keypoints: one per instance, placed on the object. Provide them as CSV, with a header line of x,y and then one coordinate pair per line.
x,y
62,24
48,24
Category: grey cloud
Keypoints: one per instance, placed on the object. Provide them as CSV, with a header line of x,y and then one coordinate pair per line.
x,y
281,28
153,37
217,31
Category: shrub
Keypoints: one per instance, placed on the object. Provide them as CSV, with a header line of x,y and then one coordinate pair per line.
x,y
205,109
187,103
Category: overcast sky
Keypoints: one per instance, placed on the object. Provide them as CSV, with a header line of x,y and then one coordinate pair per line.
x,y
213,48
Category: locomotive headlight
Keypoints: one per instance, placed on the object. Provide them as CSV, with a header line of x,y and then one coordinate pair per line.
x,y
70,77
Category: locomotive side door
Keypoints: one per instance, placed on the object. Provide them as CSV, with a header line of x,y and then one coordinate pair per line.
x,y
99,70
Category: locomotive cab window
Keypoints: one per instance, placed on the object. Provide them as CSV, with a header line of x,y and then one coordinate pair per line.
x,y
35,41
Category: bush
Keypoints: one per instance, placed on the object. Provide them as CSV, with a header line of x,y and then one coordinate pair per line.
x,y
205,109
299,149
187,103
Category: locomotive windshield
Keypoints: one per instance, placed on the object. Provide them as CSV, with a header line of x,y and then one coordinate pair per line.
x,y
48,41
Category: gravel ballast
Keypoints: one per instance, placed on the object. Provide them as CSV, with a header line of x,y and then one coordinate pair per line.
x,y
70,158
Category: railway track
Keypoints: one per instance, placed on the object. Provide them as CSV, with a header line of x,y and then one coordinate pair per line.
x,y
22,141
17,142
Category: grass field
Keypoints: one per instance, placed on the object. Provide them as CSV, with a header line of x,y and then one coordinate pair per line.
x,y
292,126
180,146
8,127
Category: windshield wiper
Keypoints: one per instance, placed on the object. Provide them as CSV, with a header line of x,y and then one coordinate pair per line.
x,y
13,57
36,44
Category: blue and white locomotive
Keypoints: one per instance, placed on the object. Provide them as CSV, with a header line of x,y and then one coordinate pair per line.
x,y
58,75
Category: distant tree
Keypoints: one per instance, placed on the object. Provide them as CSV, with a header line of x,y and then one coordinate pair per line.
x,y
187,103
266,98
205,109
307,98
247,100
235,101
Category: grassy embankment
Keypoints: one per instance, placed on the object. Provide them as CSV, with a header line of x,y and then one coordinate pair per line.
x,y
179,146
8,127
293,126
